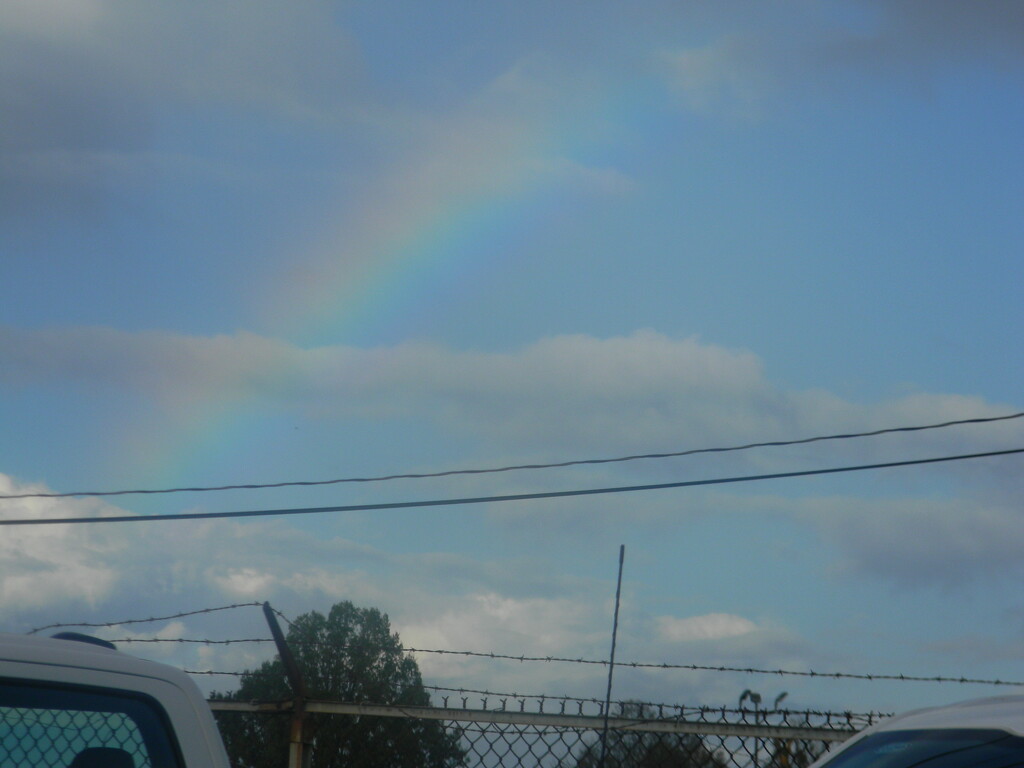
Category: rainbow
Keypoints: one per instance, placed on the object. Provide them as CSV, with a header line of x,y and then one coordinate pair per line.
x,y
427,228
418,231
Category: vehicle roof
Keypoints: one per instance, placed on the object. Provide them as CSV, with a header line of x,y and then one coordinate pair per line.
x,y
32,649
1002,712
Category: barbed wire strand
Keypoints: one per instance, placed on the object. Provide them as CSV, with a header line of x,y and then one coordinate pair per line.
x,y
499,499
744,670
142,621
513,467
962,679
280,615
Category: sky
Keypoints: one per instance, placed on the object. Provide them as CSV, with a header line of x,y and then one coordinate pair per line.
x,y
257,242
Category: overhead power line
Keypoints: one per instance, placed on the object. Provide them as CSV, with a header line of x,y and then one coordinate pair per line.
x,y
497,499
510,468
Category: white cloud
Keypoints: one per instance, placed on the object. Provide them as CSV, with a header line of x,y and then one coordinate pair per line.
x,y
939,29
245,583
559,396
435,600
253,53
720,76
85,84
934,541
64,564
447,601
642,392
79,567
495,621
172,630
743,72
50,19
490,622
712,626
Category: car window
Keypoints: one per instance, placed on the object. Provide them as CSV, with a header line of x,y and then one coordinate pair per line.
x,y
945,748
44,726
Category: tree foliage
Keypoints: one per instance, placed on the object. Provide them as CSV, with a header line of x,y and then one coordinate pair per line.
x,y
647,749
350,655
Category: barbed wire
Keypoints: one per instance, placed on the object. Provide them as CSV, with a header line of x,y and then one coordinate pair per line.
x,y
280,615
744,670
143,621
899,677
512,468
503,695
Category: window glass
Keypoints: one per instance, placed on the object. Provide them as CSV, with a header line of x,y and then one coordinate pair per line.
x,y
68,727
946,748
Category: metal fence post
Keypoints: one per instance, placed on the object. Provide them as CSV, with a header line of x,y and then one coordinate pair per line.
x,y
299,752
611,662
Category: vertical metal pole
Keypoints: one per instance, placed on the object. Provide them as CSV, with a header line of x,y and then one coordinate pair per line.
x,y
757,721
611,660
299,753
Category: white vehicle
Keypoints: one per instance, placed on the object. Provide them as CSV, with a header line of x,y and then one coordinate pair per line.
x,y
985,733
77,702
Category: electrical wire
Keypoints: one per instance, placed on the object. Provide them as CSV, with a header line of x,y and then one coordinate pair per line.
x,y
495,499
511,468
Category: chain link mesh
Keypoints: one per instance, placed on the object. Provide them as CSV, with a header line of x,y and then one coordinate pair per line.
x,y
504,745
53,738
643,736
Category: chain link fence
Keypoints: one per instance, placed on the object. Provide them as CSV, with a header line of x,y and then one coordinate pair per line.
x,y
568,733
48,737
56,726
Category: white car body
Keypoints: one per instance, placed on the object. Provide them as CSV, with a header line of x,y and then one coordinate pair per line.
x,y
1003,714
51,687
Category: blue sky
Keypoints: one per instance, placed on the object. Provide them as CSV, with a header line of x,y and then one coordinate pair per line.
x,y
255,242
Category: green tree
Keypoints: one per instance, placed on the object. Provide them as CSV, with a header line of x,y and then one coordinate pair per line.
x,y
648,749
350,655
